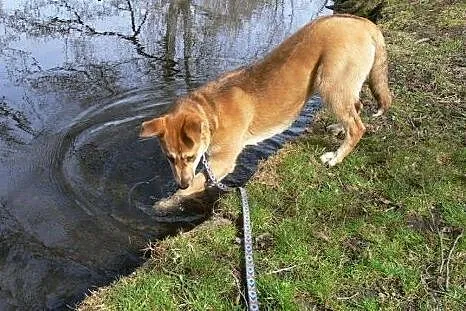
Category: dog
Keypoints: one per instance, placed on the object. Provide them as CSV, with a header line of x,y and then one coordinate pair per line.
x,y
332,55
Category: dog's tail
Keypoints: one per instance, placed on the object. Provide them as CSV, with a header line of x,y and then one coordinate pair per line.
x,y
378,76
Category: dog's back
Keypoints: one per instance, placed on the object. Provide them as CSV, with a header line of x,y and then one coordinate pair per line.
x,y
332,56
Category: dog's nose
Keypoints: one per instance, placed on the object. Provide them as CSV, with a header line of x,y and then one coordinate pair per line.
x,y
185,181
183,186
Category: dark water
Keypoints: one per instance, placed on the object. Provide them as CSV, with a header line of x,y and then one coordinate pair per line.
x,y
76,79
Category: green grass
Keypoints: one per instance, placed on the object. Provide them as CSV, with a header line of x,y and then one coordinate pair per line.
x,y
372,233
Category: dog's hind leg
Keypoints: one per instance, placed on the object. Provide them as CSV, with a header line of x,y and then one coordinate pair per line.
x,y
344,105
341,80
337,128
354,129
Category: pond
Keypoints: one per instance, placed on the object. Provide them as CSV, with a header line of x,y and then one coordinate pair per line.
x,y
77,78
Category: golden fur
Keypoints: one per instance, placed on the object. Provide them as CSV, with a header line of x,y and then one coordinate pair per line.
x,y
332,55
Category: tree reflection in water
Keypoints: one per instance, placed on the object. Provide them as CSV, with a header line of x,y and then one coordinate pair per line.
x,y
192,40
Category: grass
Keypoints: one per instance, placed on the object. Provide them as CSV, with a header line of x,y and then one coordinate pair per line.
x,y
383,230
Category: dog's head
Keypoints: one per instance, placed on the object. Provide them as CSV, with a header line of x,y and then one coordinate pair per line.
x,y
184,136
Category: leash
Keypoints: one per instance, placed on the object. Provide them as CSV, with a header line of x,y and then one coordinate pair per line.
x,y
253,302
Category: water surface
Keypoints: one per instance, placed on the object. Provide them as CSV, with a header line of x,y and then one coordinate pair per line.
x,y
77,77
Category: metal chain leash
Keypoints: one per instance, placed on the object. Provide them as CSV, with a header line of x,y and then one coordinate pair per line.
x,y
253,301
212,179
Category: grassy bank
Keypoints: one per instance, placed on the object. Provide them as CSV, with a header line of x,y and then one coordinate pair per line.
x,y
383,230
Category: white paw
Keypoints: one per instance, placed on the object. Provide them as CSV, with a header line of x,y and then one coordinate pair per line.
x,y
332,162
336,129
378,113
329,158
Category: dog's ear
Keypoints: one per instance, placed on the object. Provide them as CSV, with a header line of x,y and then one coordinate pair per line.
x,y
154,127
191,132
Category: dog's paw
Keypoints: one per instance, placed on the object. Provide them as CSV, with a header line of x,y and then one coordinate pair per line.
x,y
336,129
378,113
329,159
169,203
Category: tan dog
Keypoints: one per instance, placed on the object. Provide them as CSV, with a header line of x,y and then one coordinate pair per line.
x,y
332,55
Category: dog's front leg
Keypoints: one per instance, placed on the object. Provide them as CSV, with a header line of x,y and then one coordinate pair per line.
x,y
223,163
